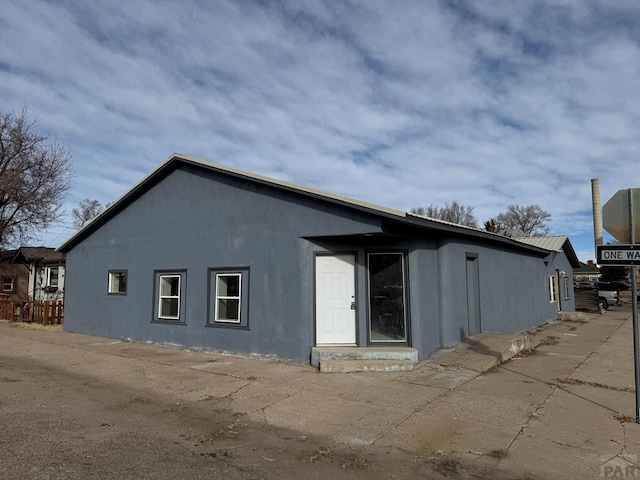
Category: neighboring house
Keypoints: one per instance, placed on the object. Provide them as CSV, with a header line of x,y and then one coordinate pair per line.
x,y
560,279
14,279
46,272
203,256
586,272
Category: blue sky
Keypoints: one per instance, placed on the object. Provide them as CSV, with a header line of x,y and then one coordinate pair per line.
x,y
401,104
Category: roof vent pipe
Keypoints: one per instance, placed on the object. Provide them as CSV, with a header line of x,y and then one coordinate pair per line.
x,y
597,211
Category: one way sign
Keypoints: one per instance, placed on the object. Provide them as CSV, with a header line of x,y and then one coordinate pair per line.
x,y
618,254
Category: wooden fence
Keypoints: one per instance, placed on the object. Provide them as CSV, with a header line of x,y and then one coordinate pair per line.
x,y
46,312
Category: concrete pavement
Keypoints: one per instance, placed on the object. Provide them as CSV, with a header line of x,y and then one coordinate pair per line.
x,y
559,410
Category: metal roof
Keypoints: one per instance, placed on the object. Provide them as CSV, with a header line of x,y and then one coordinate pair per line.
x,y
399,216
445,222
555,243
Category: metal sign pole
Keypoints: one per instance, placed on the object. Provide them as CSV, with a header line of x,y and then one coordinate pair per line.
x,y
634,308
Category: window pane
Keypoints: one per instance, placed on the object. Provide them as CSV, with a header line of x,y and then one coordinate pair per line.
x,y
53,276
169,307
386,289
228,285
117,282
169,286
229,309
7,284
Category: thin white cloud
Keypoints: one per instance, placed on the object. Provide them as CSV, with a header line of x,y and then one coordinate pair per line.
x,y
488,103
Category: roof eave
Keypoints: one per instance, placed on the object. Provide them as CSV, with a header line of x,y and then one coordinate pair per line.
x,y
475,233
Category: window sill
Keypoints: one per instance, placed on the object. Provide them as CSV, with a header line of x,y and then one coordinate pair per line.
x,y
168,321
234,326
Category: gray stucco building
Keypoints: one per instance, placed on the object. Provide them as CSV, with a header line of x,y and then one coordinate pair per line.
x,y
203,256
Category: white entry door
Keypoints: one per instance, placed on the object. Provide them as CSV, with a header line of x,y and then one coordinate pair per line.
x,y
335,300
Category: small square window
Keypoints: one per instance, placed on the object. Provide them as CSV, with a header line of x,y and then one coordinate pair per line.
x,y
8,284
118,281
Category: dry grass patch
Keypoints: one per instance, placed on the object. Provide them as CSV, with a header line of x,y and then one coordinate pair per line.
x,y
38,326
625,418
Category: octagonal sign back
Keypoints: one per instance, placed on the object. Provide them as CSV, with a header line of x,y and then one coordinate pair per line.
x,y
615,215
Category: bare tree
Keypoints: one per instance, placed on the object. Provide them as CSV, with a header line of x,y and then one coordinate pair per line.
x,y
86,210
454,213
531,219
35,176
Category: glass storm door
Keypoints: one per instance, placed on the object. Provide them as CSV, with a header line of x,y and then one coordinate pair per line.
x,y
387,319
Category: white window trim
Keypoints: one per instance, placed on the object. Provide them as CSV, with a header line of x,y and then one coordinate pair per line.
x,y
162,297
553,297
13,284
112,274
238,297
567,291
48,272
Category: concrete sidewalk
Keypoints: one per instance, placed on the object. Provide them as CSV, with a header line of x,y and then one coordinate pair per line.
x,y
558,410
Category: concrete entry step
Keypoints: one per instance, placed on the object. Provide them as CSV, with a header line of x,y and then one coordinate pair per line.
x,y
363,359
347,366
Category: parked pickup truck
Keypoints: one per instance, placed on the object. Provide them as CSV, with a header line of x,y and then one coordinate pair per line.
x,y
607,292
606,298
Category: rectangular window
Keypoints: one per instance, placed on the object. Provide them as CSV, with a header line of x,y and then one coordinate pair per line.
x,y
229,297
8,284
169,297
552,289
228,287
118,281
52,276
387,313
567,292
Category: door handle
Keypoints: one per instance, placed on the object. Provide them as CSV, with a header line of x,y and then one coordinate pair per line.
x,y
353,305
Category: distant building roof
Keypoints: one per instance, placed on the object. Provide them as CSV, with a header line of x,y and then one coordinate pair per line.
x,y
585,268
513,233
38,255
7,255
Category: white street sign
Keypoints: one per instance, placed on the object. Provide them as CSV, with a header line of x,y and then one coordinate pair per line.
x,y
618,254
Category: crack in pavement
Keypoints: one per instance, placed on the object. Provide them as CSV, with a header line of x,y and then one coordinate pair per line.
x,y
556,387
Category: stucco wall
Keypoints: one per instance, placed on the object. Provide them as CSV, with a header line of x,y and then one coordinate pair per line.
x,y
191,223
195,220
424,286
513,289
